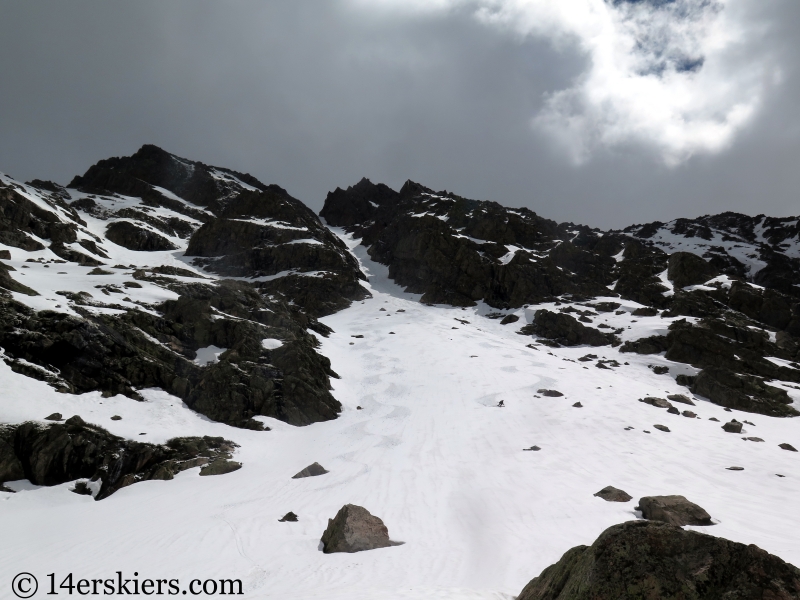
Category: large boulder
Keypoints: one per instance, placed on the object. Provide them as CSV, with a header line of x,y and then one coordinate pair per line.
x,y
657,561
675,510
354,529
686,268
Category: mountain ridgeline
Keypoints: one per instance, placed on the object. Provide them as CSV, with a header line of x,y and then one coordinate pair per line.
x,y
169,259
732,275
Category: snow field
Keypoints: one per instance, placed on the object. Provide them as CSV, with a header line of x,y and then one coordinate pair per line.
x,y
430,453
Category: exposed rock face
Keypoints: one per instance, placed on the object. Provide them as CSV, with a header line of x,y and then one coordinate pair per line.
x,y
675,510
135,237
612,494
457,251
641,559
57,453
236,226
731,354
119,354
686,268
354,529
565,330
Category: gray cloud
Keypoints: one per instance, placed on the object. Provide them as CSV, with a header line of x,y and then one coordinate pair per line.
x,y
317,94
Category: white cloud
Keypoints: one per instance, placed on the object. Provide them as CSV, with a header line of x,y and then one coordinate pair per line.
x,y
671,74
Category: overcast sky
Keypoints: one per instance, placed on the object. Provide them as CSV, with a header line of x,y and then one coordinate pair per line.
x,y
603,112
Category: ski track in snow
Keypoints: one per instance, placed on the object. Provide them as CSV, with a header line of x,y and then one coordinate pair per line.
x,y
430,453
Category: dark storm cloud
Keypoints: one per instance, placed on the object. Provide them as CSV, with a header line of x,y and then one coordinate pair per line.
x,y
313,95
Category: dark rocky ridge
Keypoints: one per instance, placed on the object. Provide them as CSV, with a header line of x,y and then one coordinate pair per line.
x,y
458,251
644,559
58,453
154,201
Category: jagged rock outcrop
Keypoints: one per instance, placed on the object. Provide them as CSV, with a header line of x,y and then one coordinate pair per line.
x,y
642,559
60,452
135,237
685,268
236,226
565,329
456,251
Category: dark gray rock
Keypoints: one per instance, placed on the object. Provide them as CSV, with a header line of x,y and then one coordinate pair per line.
x,y
578,405
289,517
689,414
675,510
54,417
509,319
735,468
612,494
60,452
732,426
220,467
657,402
565,330
663,428
354,529
312,470
657,561
135,237
788,447
550,393
673,410
686,268
681,398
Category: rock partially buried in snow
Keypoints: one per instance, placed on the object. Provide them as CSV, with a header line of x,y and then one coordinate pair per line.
x,y
788,447
680,398
54,417
643,559
220,467
312,470
289,517
735,468
732,426
663,428
657,402
354,529
550,393
578,405
612,494
675,510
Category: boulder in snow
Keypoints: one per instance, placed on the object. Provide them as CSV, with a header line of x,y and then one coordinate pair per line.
x,y
675,510
312,470
612,494
354,529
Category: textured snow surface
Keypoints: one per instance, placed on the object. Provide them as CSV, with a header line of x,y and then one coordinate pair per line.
x,y
430,453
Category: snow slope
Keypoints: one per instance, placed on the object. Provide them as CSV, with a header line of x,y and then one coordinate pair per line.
x,y
430,453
